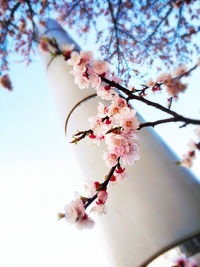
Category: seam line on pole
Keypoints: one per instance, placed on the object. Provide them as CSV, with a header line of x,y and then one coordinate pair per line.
x,y
80,102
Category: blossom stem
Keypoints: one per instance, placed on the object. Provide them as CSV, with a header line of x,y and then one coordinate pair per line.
x,y
103,185
81,135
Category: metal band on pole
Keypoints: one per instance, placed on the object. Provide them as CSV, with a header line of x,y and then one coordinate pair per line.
x,y
80,102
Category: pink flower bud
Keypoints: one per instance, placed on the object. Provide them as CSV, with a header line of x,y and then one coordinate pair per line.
x,y
102,197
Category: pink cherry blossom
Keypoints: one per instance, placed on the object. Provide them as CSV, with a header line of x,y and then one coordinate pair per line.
x,y
116,79
75,211
95,80
186,161
132,154
105,94
120,102
67,47
162,77
74,59
179,71
182,261
110,159
81,81
79,70
116,143
192,145
99,128
100,67
173,85
102,110
99,209
128,119
86,56
150,83
117,104
90,188
44,46
85,223
121,175
102,197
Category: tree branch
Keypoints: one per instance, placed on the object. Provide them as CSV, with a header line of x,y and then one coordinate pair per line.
x,y
177,117
103,185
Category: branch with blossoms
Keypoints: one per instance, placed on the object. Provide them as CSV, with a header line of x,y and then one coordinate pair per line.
x,y
116,124
190,156
131,96
75,212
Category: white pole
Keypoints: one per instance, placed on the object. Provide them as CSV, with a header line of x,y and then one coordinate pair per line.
x,y
158,206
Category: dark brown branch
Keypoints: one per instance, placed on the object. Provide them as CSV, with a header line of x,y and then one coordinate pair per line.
x,y
81,135
159,24
32,13
7,23
173,119
103,185
114,20
187,72
177,117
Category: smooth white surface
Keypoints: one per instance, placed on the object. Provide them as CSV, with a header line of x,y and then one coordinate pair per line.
x,y
66,92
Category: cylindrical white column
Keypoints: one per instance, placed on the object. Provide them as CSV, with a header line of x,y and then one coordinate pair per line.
x,y
158,206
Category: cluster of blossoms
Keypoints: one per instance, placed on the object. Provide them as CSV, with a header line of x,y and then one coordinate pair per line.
x,y
116,124
185,262
173,84
188,158
75,213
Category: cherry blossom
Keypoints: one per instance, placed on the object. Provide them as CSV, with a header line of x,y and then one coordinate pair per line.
x,y
44,45
74,59
100,66
102,197
121,176
194,146
75,211
110,159
99,209
173,84
182,261
90,188
85,223
5,82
